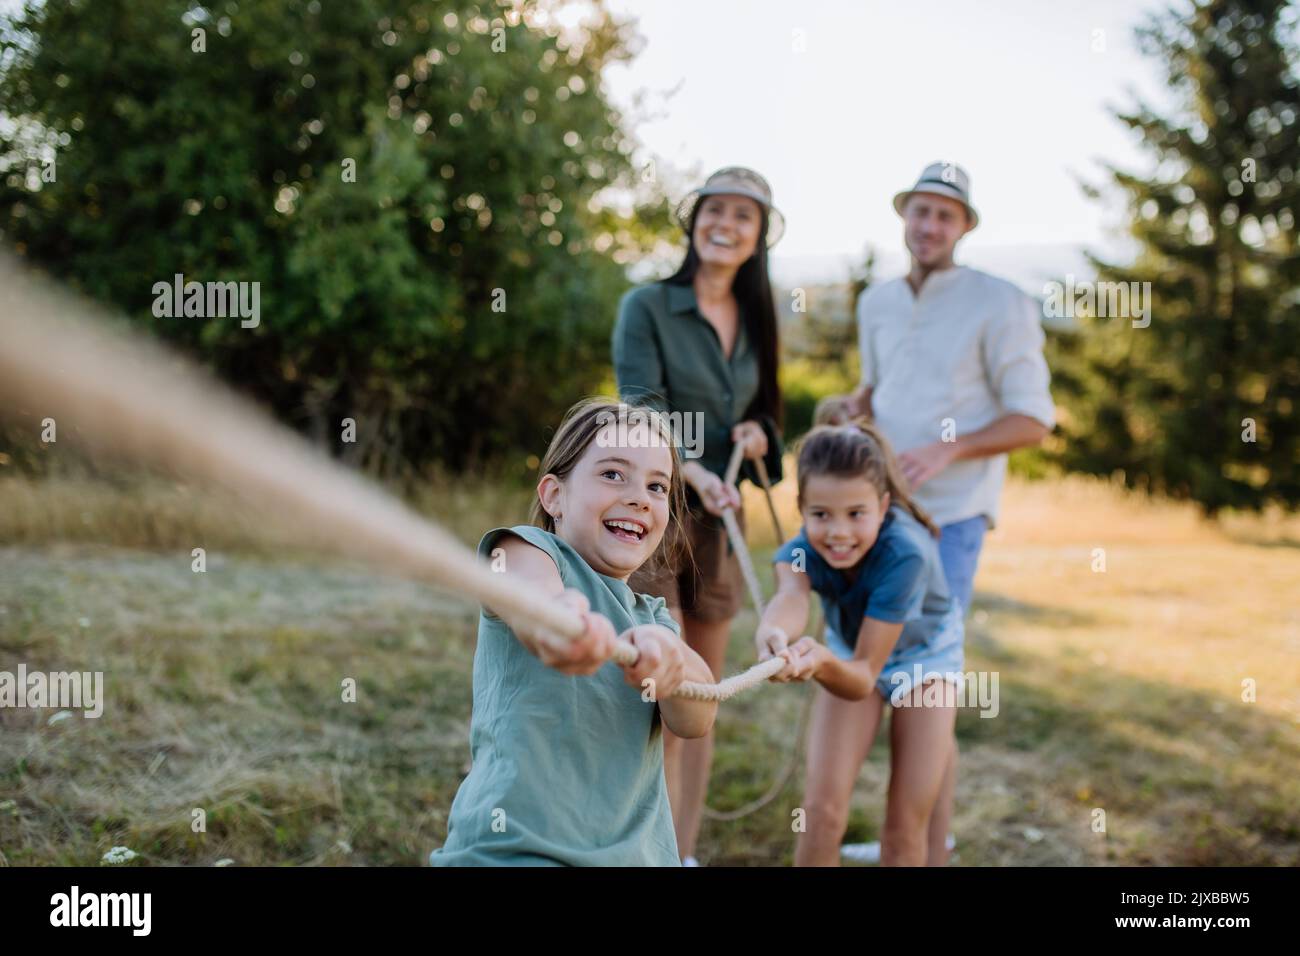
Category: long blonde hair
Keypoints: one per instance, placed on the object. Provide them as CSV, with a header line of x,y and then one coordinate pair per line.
x,y
578,430
858,449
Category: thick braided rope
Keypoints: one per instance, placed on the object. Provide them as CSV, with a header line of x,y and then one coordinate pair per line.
x,y
746,565
759,672
761,467
733,685
625,653
126,395
736,538
784,777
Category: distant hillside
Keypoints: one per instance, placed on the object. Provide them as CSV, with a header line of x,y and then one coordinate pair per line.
x,y
1029,266
825,279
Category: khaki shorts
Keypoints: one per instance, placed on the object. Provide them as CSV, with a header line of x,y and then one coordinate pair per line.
x,y
709,588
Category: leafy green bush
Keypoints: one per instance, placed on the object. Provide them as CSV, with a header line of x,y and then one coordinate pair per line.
x,y
410,183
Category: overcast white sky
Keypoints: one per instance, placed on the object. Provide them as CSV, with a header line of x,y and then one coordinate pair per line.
x,y
1017,91
1013,90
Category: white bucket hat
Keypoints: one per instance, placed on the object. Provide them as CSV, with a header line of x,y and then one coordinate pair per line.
x,y
733,181
942,179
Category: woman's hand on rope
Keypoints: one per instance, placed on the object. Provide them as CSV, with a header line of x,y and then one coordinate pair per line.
x,y
751,435
588,653
661,666
715,494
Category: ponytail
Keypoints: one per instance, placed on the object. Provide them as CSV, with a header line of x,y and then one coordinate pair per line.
x,y
858,449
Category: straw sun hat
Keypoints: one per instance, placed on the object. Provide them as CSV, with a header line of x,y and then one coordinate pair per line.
x,y
942,179
733,181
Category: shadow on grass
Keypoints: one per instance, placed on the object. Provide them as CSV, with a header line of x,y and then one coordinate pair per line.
x,y
1042,615
1185,776
1286,543
1212,779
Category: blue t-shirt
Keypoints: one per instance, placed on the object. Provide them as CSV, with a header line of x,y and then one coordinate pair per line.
x,y
900,581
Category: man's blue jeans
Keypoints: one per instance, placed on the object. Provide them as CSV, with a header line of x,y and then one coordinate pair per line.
x,y
959,549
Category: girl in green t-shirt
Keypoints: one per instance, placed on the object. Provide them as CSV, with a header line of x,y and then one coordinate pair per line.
x,y
567,746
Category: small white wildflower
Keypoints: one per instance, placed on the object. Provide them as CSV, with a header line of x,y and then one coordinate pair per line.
x,y
119,854
225,861
61,715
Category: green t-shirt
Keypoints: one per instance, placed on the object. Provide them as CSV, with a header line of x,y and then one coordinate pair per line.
x,y
667,354
566,770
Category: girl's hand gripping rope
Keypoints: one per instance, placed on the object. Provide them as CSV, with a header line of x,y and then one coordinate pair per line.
x,y
770,641
805,656
660,660
585,655
802,658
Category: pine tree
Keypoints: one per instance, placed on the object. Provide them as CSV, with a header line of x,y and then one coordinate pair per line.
x,y
1201,403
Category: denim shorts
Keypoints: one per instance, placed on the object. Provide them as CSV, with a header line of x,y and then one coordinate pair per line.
x,y
943,656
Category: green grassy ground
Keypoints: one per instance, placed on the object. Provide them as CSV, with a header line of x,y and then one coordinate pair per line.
x,y
1120,691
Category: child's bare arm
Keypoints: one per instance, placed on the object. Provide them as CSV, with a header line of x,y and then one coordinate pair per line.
x,y
582,656
786,614
665,662
853,679
690,718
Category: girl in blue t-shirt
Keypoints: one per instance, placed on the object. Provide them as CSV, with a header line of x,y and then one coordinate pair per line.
x,y
893,635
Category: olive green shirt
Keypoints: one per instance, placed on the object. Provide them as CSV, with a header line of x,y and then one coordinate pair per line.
x,y
668,355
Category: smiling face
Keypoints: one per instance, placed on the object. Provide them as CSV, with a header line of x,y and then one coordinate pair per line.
x,y
726,229
612,508
842,517
931,227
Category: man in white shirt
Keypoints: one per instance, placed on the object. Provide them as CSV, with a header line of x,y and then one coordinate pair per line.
x,y
953,373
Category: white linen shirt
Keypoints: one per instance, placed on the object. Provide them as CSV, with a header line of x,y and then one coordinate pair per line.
x,y
968,348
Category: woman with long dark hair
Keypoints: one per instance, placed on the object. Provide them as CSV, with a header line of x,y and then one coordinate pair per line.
x,y
702,346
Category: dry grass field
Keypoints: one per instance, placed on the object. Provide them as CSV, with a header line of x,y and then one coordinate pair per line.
x,y
1120,690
